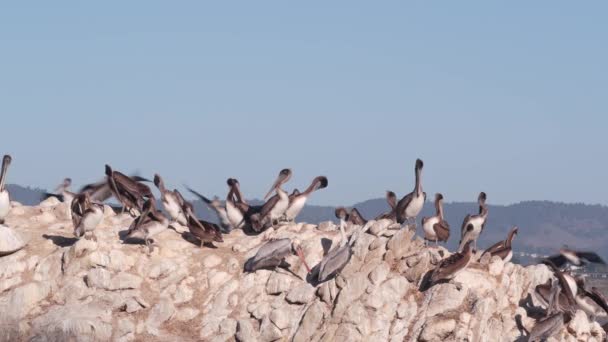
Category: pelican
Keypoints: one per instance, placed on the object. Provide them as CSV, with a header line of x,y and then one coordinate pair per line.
x,y
272,254
473,225
296,202
128,191
150,223
410,206
335,260
503,248
575,258
356,218
435,227
235,213
391,199
88,218
170,201
275,207
205,232
452,265
592,302
554,319
217,207
5,201
61,192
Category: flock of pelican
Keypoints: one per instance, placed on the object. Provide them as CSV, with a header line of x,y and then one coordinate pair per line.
x,y
562,296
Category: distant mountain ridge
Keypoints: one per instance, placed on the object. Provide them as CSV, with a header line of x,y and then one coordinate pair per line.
x,y
544,226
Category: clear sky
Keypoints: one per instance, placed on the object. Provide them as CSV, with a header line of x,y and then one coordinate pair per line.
x,y
506,97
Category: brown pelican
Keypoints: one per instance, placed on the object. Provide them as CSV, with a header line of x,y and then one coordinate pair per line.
x,y
435,227
236,208
5,201
87,217
61,192
335,260
100,191
170,201
592,302
296,202
275,207
473,225
554,319
205,232
356,218
568,285
449,267
575,258
391,199
410,206
272,254
150,223
503,248
217,207
128,191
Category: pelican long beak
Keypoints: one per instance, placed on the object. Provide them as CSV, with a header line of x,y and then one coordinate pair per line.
x,y
5,163
274,186
300,253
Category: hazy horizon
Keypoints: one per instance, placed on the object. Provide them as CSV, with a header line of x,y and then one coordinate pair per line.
x,y
492,97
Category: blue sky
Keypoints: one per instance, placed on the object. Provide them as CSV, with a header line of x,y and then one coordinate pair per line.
x,y
509,98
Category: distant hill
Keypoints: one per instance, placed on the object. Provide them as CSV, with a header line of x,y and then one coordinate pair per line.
x,y
544,226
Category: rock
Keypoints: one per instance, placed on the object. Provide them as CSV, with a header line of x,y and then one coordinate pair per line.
x,y
10,241
280,318
496,266
211,261
245,331
74,322
49,202
312,320
354,289
400,242
278,283
378,227
301,294
268,331
103,279
327,226
379,274
445,297
22,299
579,325
160,313
187,314
437,329
183,294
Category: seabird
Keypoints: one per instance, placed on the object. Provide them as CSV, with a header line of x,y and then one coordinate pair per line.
x,y
150,223
554,319
217,207
356,218
391,199
127,191
410,206
171,201
297,202
87,217
61,192
449,267
206,232
435,227
473,225
273,253
236,208
275,207
575,258
592,302
335,260
5,201
503,248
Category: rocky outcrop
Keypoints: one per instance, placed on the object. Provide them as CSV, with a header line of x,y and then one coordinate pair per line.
x,y
60,288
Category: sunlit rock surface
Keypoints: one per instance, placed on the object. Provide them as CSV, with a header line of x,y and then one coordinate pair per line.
x,y
58,288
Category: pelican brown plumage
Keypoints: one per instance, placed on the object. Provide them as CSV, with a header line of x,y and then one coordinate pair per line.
x,y
150,223
206,232
554,319
129,192
355,217
87,216
473,225
273,253
391,214
411,204
218,208
274,208
170,201
449,267
436,228
297,202
62,192
503,248
5,201
576,258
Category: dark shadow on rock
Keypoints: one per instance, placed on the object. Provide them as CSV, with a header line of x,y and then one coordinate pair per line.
x,y
426,284
60,241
